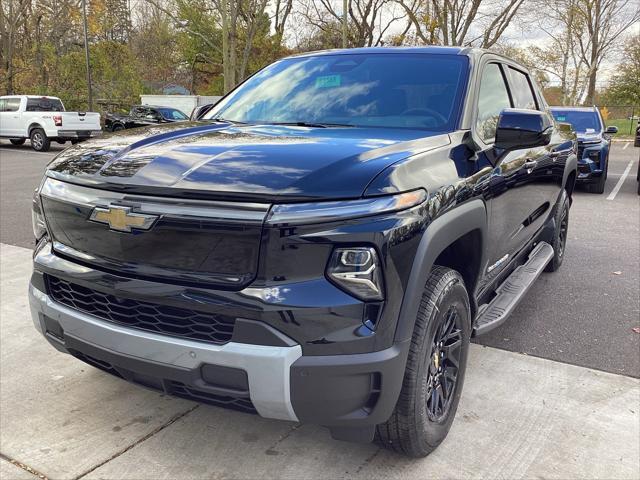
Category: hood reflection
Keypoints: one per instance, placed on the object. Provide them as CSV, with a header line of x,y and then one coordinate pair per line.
x,y
246,159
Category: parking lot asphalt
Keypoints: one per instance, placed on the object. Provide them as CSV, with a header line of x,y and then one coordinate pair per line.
x,y
583,314
519,417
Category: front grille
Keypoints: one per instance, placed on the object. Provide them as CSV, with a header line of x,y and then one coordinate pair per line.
x,y
165,319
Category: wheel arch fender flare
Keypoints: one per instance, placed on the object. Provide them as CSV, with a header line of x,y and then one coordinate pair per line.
x,y
570,166
440,233
32,126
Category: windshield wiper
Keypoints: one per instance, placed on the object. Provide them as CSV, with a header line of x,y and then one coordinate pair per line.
x,y
224,120
312,124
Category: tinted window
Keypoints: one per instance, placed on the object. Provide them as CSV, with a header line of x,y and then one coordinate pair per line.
x,y
372,90
44,105
172,114
9,104
139,111
581,121
521,90
492,99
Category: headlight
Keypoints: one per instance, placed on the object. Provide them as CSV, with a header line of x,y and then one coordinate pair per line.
x,y
357,270
301,213
37,218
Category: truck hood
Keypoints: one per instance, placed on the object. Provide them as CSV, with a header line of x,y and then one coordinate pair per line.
x,y
589,137
259,162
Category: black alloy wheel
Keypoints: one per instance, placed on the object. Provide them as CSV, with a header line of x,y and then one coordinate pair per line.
x,y
435,369
446,348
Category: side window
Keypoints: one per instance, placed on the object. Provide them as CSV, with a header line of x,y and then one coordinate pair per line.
x,y
493,97
12,105
523,96
3,105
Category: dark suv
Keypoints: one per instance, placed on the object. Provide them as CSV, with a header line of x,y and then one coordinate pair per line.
x,y
142,116
320,247
594,144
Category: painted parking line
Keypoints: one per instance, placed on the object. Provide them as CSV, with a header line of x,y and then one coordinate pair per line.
x,y
615,190
626,145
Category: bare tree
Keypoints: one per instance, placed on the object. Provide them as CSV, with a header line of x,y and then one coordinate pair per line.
x,y
282,11
369,20
13,15
461,22
559,56
604,23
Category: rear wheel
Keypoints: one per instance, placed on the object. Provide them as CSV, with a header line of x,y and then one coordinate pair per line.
x,y
435,368
117,127
559,240
39,140
17,141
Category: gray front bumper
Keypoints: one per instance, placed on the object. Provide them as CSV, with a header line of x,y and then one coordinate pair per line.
x,y
267,367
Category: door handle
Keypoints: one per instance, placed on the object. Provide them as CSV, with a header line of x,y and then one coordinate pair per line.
x,y
528,164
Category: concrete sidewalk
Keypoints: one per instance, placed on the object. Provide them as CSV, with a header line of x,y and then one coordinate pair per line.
x,y
520,417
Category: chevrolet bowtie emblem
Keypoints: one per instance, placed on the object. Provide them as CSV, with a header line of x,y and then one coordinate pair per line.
x,y
122,219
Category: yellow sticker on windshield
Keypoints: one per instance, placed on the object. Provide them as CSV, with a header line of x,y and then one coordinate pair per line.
x,y
328,81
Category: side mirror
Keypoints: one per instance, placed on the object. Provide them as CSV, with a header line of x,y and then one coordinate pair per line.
x,y
520,128
612,130
200,111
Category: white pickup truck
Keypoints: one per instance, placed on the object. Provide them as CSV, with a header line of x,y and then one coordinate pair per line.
x,y
42,120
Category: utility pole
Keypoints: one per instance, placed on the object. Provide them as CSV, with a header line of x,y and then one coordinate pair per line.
x,y
345,23
86,53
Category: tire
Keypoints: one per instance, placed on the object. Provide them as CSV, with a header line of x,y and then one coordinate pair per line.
x,y
117,127
17,141
415,427
75,141
598,187
39,140
559,240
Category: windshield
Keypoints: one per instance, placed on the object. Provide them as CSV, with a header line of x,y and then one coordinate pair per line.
x,y
581,121
361,90
172,114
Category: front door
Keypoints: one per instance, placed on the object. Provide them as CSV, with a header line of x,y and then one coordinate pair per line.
x,y
516,205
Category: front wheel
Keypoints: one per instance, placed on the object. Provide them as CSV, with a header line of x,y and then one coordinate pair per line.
x,y
39,140
17,141
435,369
598,187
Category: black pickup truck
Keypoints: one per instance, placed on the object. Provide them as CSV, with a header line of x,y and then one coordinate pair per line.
x,y
320,246
143,116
